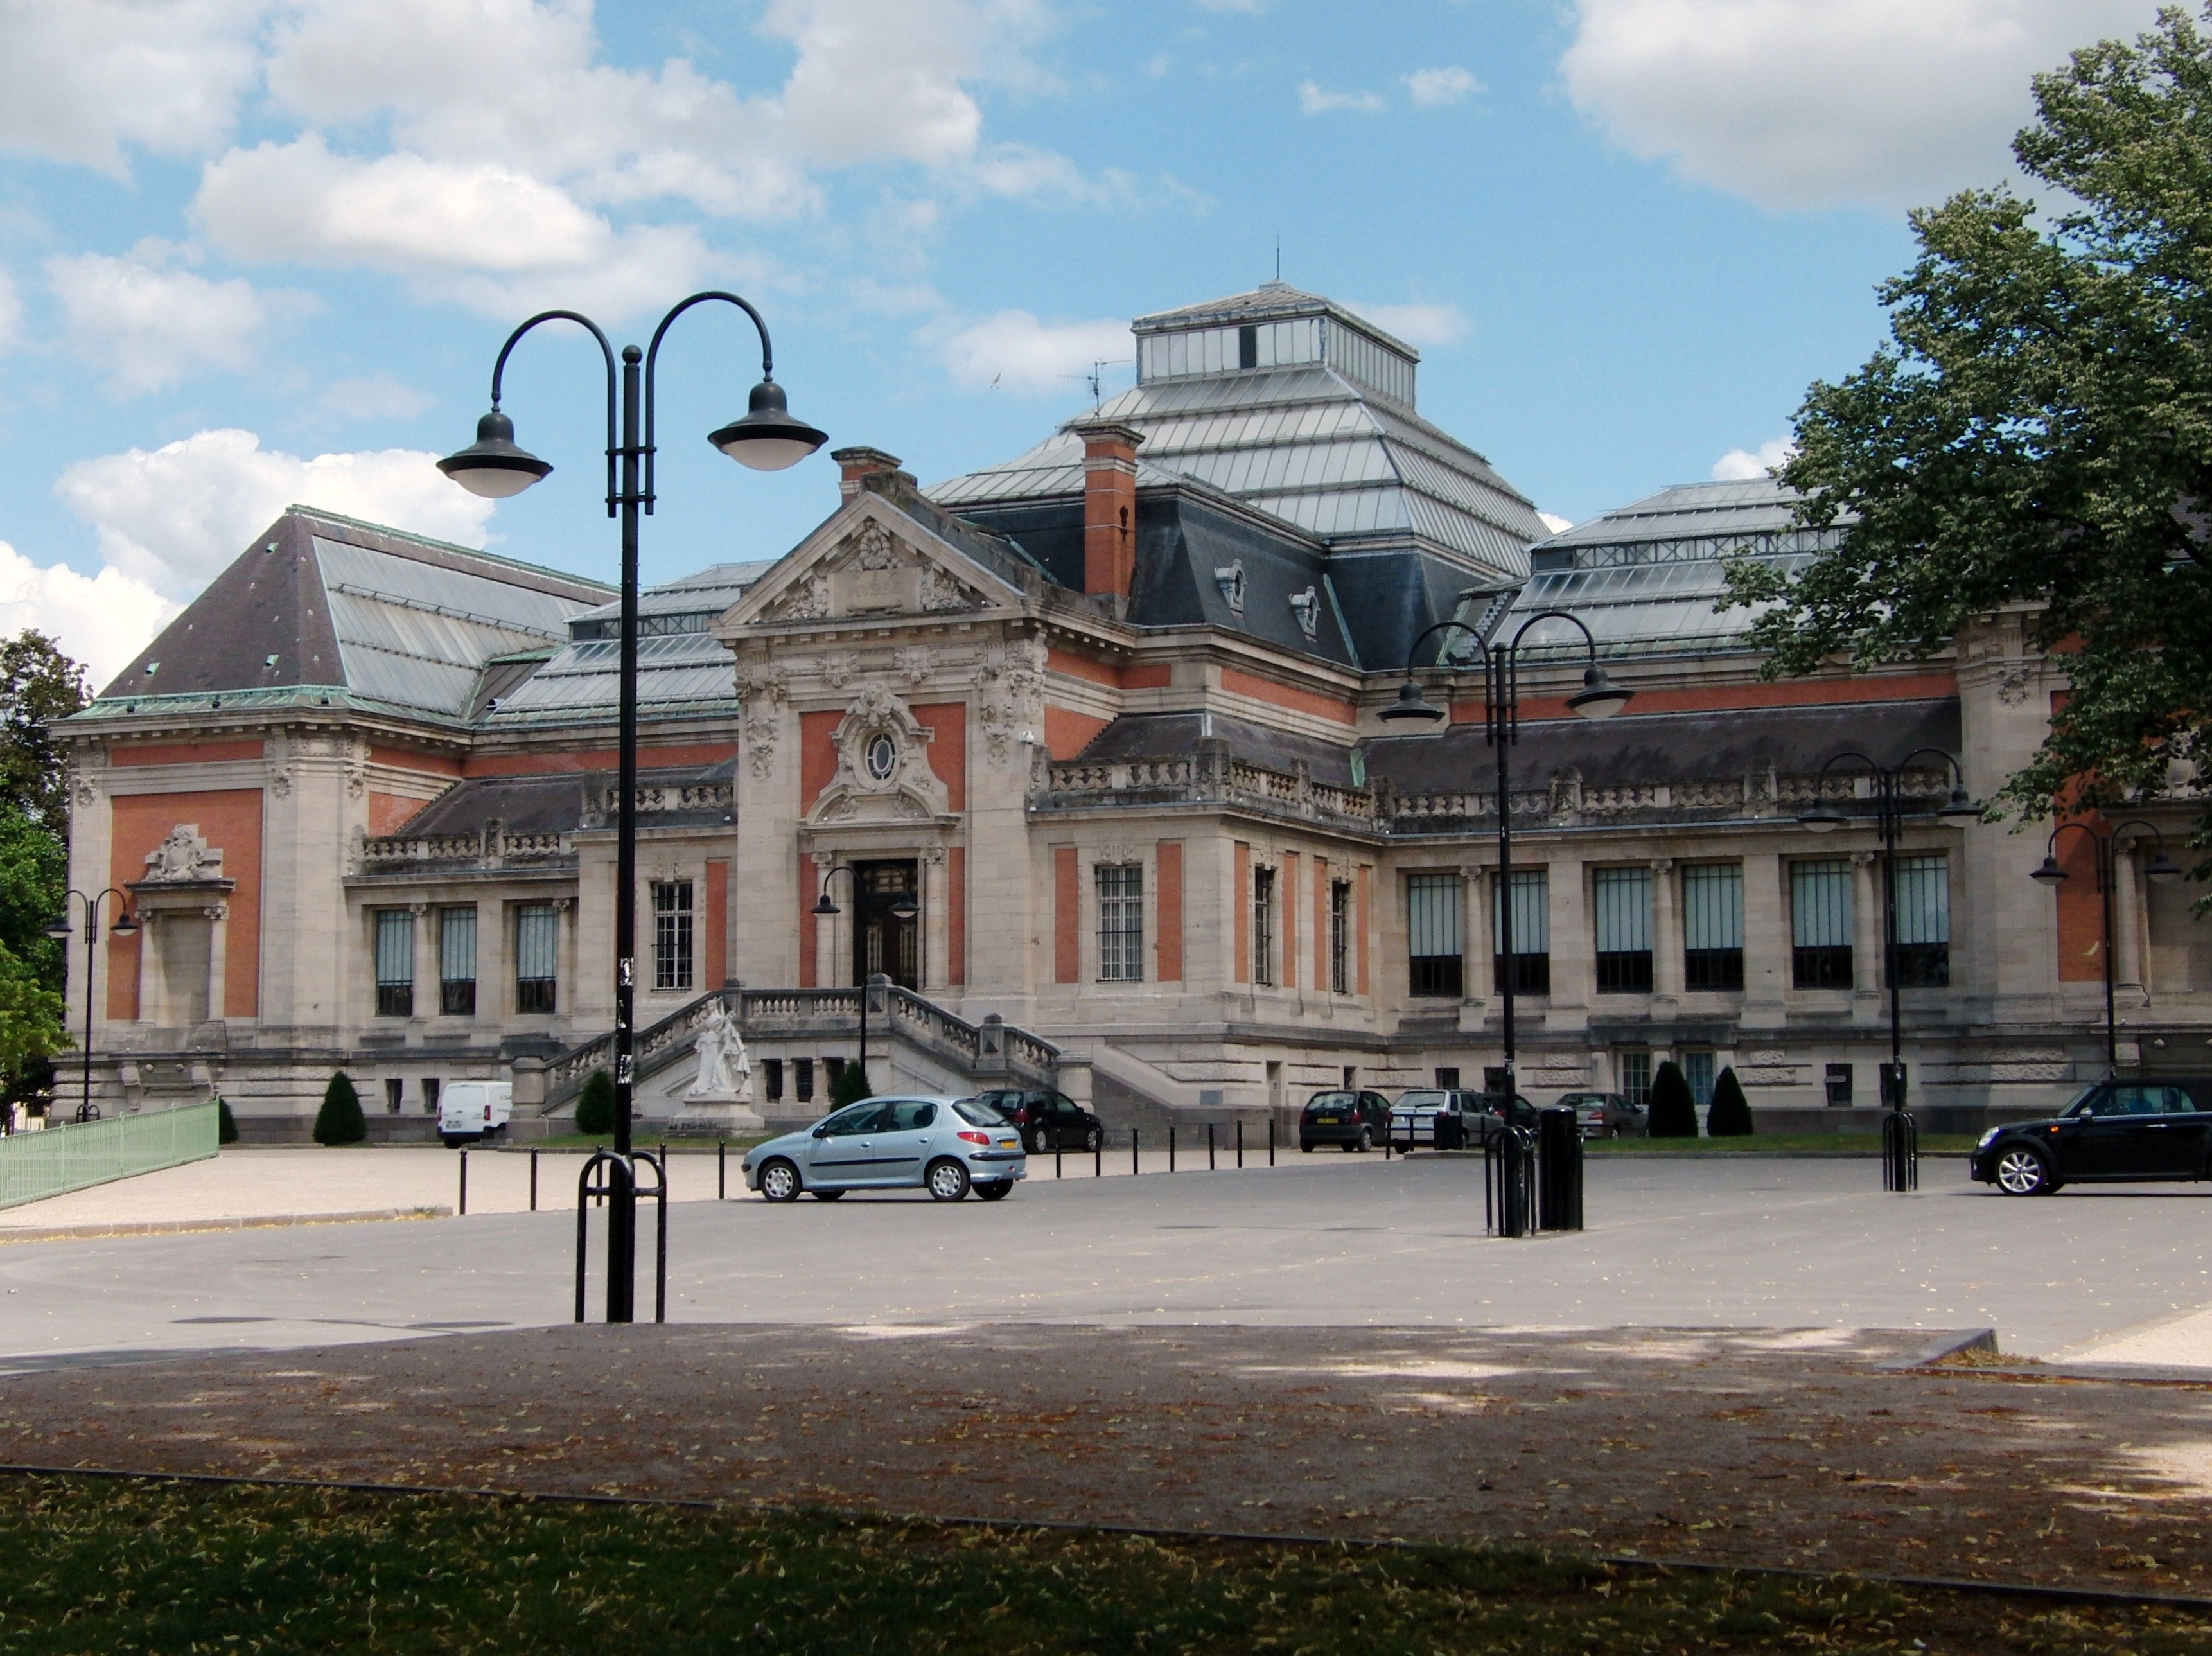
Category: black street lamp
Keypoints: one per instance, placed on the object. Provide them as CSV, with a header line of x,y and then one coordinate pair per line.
x,y
59,929
2106,845
767,439
1598,698
1889,822
903,905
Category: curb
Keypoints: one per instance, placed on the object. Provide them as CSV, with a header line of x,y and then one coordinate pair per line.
x,y
178,1227
1946,1345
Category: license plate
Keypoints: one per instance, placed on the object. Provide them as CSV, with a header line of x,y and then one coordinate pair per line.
x,y
1329,1120
1009,1144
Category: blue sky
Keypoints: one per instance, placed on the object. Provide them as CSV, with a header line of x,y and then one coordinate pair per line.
x,y
256,251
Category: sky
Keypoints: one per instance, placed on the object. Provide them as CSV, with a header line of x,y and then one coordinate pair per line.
x,y
259,251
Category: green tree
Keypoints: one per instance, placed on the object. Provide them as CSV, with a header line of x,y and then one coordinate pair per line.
x,y
1673,1108
2037,431
595,1110
339,1121
1729,1116
850,1086
226,1124
39,687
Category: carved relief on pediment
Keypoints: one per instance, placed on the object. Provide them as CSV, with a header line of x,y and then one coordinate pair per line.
x,y
184,858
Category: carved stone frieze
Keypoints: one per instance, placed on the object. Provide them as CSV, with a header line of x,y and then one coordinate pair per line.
x,y
183,858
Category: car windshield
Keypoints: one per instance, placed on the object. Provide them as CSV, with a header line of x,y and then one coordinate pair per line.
x,y
1331,1101
976,1113
1421,1100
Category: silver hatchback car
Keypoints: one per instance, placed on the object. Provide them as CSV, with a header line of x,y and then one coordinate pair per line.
x,y
946,1146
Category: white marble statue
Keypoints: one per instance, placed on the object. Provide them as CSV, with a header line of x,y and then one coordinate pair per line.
x,y
725,1073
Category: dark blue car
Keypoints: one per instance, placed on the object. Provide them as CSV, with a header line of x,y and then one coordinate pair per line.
x,y
2115,1130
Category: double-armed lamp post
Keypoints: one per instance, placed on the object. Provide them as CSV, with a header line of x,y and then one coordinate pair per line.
x,y
903,905
1598,698
59,929
767,439
2107,847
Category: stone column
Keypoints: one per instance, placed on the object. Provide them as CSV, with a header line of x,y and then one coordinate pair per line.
x,y
1866,925
2127,953
1766,941
936,922
1574,968
424,953
827,973
567,991
1476,942
1665,931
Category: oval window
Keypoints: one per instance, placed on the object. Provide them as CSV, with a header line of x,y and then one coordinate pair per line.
x,y
882,758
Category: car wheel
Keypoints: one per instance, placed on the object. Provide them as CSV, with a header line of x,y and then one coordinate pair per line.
x,y
1038,1146
998,1190
779,1181
2021,1171
948,1180
1305,1147
1366,1141
825,1195
1094,1140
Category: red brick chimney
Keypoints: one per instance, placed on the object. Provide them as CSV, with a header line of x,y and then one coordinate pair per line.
x,y
1109,503
859,463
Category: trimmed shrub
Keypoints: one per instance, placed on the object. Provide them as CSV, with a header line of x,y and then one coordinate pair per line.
x,y
339,1121
595,1110
1729,1114
1673,1108
226,1124
850,1086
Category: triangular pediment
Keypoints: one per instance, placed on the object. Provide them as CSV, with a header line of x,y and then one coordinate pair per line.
x,y
869,561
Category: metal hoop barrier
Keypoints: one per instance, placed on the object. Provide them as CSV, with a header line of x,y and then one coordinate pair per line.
x,y
1508,1168
597,1183
1900,1152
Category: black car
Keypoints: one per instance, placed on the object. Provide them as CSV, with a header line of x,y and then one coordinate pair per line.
x,y
1352,1120
2115,1130
1049,1120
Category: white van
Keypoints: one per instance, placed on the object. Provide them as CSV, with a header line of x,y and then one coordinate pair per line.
x,y
467,1110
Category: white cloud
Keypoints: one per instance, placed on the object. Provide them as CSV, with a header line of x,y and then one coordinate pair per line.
x,y
1312,100
1416,324
373,396
1739,464
1555,523
101,620
147,327
1015,351
1432,86
1815,102
79,79
171,518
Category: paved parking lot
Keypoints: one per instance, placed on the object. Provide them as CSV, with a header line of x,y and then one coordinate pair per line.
x,y
1320,1241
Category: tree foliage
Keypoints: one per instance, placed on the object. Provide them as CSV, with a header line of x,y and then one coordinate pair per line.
x,y
38,687
595,1110
1729,1116
339,1121
1672,1107
2035,438
850,1086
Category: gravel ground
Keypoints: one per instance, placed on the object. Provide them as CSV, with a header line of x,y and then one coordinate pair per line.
x,y
1778,1447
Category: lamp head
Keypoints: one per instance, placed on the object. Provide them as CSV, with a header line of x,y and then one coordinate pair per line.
x,y
2162,868
826,907
904,906
1822,819
1411,705
59,925
126,925
768,439
1598,698
2050,874
493,466
1959,808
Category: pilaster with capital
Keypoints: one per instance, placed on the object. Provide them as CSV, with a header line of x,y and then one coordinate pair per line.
x,y
1665,931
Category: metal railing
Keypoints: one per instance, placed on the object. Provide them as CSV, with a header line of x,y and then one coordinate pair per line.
x,y
74,1156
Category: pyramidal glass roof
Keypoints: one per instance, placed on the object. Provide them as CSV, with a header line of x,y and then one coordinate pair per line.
x,y
1295,405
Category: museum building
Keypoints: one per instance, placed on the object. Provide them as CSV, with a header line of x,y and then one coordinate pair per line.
x,y
1085,753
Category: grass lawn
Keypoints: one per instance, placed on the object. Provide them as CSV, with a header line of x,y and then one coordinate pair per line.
x,y
1864,1144
118,1566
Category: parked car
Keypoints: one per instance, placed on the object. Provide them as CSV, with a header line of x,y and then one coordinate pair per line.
x,y
1048,1120
1606,1115
469,1111
1350,1120
946,1146
1439,1120
2114,1130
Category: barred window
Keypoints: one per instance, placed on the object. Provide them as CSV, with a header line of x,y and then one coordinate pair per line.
x,y
457,962
1121,922
395,964
1924,922
1435,949
1530,967
1712,926
536,956
672,934
1623,900
1340,936
1820,924
1263,925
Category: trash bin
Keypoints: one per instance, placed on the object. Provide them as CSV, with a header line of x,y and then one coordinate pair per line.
x,y
1559,1169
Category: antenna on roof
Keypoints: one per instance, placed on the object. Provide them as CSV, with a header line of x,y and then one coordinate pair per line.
x,y
1278,255
1094,378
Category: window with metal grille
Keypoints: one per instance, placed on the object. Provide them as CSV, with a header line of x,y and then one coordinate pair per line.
x,y
1622,898
1820,924
1263,925
772,1073
1635,1078
395,964
802,1080
672,934
1436,952
1712,926
1340,936
1121,922
1529,969
457,962
537,957
1924,922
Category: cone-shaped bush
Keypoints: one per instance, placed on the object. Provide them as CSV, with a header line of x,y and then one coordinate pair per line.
x,y
226,1124
595,1110
339,1122
850,1086
1673,1109
1730,1114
